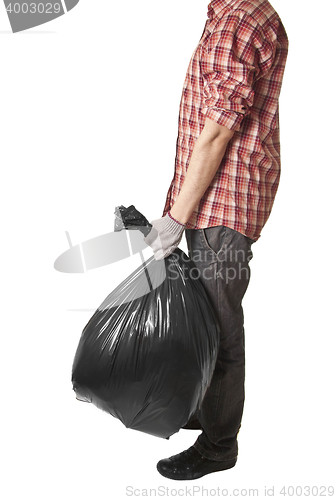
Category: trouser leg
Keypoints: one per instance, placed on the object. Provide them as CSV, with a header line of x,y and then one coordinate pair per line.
x,y
222,256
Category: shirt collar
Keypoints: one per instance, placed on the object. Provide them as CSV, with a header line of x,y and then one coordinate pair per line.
x,y
216,6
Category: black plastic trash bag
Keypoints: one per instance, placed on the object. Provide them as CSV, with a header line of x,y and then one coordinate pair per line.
x,y
148,353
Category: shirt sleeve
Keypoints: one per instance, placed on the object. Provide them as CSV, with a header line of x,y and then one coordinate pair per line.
x,y
235,55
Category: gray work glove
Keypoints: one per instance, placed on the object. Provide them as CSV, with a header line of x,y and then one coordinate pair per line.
x,y
164,236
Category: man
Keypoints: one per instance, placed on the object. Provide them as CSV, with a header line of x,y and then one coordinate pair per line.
x,y
227,171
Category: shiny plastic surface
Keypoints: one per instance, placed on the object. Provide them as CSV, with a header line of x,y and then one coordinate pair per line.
x,y
148,353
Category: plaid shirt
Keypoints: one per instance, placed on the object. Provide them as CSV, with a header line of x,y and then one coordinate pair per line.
x,y
234,78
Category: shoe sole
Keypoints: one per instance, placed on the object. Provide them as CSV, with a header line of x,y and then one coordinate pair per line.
x,y
197,476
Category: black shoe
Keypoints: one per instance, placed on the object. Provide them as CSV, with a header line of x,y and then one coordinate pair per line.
x,y
190,464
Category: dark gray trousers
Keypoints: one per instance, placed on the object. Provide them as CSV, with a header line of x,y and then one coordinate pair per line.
x,y
222,257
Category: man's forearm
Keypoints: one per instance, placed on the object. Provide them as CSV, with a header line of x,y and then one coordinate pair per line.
x,y
206,157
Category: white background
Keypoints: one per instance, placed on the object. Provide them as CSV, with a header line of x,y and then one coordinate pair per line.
x,y
89,110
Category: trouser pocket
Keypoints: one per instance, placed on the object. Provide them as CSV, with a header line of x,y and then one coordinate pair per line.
x,y
213,238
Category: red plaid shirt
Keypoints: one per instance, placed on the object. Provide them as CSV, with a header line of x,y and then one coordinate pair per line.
x,y
234,78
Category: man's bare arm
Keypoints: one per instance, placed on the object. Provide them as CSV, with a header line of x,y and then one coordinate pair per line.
x,y
206,157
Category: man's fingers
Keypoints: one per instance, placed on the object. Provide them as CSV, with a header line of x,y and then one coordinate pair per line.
x,y
159,255
151,236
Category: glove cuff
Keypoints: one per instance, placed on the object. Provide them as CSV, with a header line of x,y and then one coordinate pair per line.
x,y
172,225
170,215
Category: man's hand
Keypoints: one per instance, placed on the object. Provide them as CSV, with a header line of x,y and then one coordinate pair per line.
x,y
164,236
